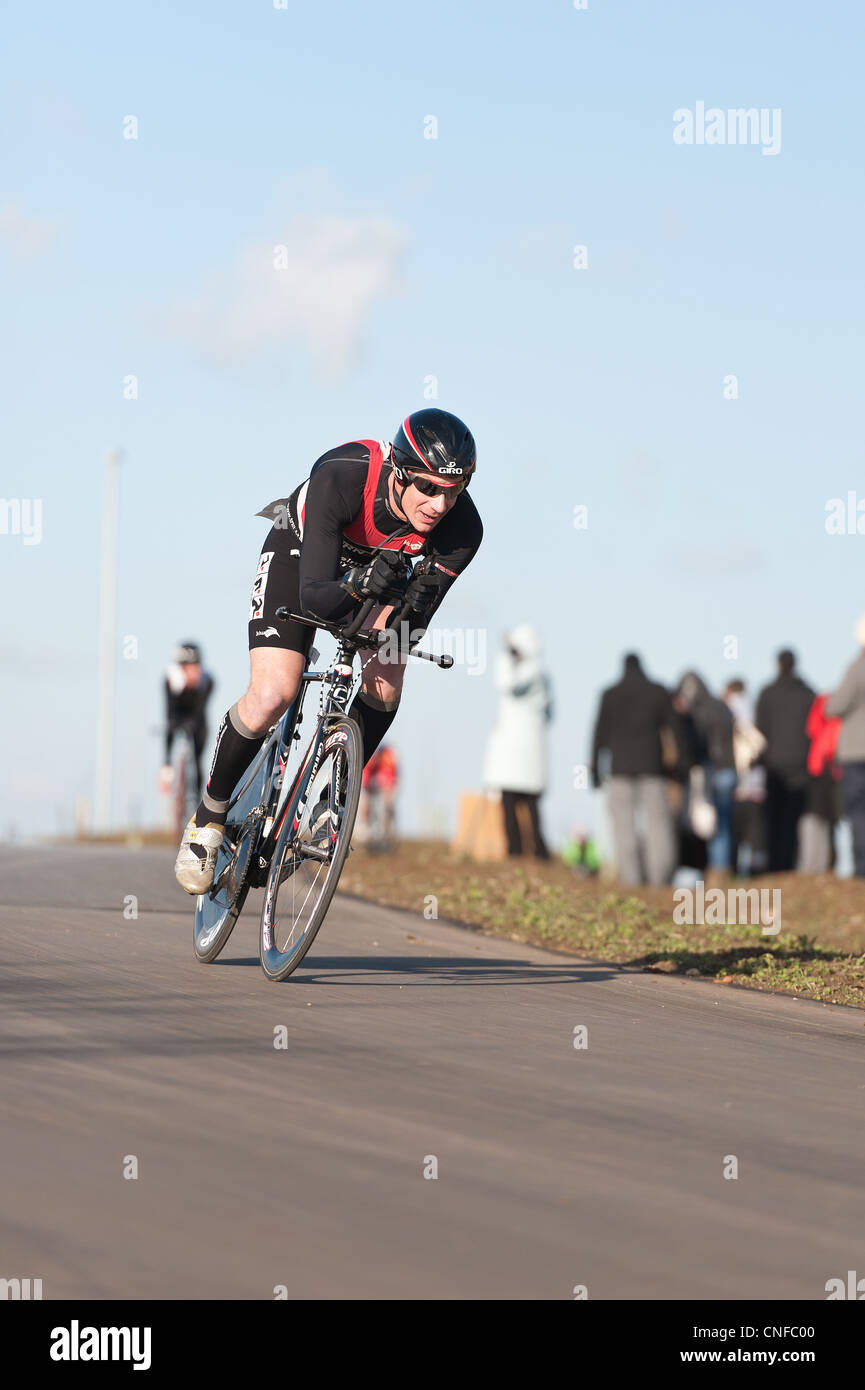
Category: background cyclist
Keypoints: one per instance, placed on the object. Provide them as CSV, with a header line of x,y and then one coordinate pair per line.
x,y
187,689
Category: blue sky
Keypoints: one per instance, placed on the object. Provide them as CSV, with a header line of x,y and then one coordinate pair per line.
x,y
408,258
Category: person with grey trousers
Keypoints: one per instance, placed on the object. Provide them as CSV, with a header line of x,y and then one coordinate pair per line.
x,y
848,705
631,717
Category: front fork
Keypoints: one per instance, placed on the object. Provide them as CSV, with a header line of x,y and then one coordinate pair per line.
x,y
292,804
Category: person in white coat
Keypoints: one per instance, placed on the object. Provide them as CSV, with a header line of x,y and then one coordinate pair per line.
x,y
515,762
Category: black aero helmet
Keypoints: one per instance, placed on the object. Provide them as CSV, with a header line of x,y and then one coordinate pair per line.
x,y
435,442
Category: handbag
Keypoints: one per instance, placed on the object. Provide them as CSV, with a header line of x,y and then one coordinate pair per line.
x,y
748,745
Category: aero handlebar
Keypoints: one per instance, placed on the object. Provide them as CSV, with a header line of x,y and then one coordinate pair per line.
x,y
354,628
359,619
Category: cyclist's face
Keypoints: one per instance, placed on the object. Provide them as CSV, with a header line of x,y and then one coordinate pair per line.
x,y
426,512
192,672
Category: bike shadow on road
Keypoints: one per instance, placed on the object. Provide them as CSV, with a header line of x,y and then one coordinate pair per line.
x,y
418,972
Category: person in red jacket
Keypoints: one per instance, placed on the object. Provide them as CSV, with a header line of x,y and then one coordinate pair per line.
x,y
822,807
380,778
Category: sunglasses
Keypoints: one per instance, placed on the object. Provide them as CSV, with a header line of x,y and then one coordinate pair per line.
x,y
431,489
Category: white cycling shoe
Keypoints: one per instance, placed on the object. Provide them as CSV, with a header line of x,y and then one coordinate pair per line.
x,y
316,832
196,858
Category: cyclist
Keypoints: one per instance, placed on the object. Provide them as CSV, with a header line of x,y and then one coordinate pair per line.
x,y
403,499
187,689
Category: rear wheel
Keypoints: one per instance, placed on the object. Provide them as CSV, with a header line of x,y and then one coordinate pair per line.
x,y
306,865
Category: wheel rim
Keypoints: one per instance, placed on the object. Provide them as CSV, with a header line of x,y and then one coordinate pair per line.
x,y
298,882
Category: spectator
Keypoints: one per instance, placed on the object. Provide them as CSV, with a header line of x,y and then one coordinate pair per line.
x,y
749,799
848,705
782,714
690,753
714,723
378,800
515,761
822,810
632,717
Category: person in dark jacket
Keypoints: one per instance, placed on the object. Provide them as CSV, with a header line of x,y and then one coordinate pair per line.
x,y
782,717
714,723
848,705
629,727
691,748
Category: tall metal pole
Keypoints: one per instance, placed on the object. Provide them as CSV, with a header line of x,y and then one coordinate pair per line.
x,y
107,652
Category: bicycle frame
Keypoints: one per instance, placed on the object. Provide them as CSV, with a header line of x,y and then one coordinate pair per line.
x,y
291,803
292,798
286,815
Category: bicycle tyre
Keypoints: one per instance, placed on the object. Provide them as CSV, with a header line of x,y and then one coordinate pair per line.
x,y
278,965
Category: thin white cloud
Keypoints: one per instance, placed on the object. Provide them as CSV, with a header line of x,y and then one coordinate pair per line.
x,y
314,285
24,236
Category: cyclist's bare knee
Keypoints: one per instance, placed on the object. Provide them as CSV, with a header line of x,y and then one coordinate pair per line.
x,y
382,684
383,676
274,681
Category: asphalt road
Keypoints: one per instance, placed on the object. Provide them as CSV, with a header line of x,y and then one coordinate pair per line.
x,y
407,1039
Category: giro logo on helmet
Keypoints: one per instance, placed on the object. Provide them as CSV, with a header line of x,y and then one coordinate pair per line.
x,y
434,441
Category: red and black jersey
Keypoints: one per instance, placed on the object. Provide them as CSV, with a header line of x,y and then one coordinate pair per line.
x,y
342,513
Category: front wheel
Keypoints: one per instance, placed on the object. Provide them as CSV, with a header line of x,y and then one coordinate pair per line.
x,y
307,864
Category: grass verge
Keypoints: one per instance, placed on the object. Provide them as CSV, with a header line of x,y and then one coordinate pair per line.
x,y
819,953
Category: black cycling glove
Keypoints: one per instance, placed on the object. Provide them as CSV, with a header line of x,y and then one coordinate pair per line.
x,y
422,593
384,578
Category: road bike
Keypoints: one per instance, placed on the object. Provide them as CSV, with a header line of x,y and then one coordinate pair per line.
x,y
291,817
